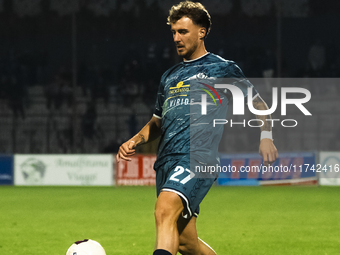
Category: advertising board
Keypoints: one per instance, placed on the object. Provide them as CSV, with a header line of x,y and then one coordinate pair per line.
x,y
82,169
248,169
330,161
6,170
138,171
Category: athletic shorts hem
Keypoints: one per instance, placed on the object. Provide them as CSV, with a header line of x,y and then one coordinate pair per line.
x,y
185,199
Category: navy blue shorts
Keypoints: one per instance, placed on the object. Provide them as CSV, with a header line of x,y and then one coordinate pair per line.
x,y
175,176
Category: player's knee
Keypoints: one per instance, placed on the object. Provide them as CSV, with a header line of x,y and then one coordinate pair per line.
x,y
168,208
188,249
164,214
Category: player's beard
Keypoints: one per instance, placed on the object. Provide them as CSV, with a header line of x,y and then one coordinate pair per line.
x,y
189,52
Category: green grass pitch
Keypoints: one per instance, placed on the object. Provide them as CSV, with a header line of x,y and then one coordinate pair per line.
x,y
233,220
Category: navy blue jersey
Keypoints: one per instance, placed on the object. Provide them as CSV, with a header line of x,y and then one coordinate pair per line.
x,y
185,131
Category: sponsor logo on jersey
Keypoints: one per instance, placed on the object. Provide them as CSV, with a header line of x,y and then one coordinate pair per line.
x,y
179,89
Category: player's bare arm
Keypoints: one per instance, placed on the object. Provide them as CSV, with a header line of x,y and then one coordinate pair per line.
x,y
148,133
267,148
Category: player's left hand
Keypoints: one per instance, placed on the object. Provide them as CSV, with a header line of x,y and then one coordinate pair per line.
x,y
268,151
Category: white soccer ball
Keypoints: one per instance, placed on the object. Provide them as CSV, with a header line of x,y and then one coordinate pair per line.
x,y
86,247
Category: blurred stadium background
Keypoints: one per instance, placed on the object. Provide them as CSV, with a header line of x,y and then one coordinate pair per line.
x,y
79,77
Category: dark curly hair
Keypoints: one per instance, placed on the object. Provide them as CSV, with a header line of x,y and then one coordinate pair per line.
x,y
195,11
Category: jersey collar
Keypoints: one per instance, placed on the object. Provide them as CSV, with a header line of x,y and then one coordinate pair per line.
x,y
192,60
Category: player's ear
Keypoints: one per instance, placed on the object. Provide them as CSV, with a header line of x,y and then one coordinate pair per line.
x,y
202,33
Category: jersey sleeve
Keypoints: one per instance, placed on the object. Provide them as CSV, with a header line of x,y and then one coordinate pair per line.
x,y
240,80
159,102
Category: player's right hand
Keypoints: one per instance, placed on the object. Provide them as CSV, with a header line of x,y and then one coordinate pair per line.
x,y
126,150
268,151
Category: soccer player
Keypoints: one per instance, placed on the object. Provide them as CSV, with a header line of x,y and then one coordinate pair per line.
x,y
188,137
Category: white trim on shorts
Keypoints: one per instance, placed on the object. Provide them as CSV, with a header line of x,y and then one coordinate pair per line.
x,y
206,245
182,196
156,116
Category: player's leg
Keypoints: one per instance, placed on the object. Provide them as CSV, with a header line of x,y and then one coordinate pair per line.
x,y
167,210
177,190
189,242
